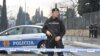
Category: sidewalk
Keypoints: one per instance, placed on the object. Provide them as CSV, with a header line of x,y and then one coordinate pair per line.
x,y
83,41
92,41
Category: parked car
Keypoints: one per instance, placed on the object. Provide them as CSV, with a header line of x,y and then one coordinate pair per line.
x,y
23,36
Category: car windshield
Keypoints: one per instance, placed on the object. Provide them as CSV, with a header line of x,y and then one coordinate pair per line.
x,y
22,30
29,30
13,31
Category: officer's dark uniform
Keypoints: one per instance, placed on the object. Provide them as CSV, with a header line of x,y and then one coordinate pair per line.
x,y
58,28
91,34
95,31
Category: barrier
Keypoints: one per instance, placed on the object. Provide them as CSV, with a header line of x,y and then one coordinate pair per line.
x,y
50,50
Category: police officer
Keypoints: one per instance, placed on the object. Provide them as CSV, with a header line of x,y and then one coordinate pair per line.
x,y
54,26
91,34
95,30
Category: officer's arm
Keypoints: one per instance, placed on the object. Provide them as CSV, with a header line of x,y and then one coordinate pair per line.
x,y
62,29
44,29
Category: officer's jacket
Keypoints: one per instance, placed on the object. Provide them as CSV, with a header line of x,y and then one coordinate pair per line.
x,y
56,25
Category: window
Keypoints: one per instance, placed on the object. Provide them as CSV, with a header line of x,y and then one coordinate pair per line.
x,y
29,30
14,31
40,30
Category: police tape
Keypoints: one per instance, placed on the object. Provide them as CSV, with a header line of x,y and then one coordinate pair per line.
x,y
50,50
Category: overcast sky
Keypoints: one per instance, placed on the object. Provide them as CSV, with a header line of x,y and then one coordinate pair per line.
x,y
31,5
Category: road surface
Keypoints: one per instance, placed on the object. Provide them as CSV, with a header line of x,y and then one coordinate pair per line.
x,y
65,54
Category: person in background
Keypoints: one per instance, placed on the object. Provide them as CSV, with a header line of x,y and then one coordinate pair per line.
x,y
95,30
54,26
91,35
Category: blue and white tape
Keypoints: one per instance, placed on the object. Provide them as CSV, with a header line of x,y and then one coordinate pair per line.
x,y
51,50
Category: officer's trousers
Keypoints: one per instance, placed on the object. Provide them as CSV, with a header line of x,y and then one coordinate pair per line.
x,y
54,44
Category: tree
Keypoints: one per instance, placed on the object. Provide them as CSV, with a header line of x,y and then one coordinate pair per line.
x,y
87,6
27,20
3,19
0,9
22,18
37,17
43,18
